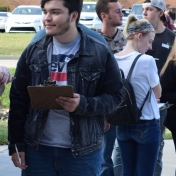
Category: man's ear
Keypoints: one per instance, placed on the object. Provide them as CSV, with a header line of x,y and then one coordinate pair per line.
x,y
74,16
103,16
161,13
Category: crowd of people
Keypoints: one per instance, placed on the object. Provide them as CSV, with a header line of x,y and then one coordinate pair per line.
x,y
77,140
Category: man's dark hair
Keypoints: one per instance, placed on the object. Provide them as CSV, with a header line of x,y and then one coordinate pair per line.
x,y
71,5
102,6
162,18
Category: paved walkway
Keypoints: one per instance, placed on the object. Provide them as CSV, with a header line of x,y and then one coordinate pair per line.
x,y
9,61
169,161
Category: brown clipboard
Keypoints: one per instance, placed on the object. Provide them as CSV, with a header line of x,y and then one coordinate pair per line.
x,y
44,97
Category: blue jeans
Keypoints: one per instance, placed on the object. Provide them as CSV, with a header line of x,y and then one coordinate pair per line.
x,y
159,163
109,140
54,161
139,146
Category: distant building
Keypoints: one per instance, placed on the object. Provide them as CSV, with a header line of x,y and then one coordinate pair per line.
x,y
12,4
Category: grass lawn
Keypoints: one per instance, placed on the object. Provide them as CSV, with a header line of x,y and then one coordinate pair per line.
x,y
3,132
14,43
4,99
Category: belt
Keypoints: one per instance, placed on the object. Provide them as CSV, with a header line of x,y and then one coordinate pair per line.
x,y
144,121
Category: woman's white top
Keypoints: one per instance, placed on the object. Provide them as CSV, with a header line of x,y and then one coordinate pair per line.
x,y
144,77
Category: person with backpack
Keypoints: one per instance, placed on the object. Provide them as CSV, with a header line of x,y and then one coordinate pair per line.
x,y
139,141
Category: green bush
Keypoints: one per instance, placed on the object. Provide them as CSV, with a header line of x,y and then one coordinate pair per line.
x,y
4,9
168,134
3,133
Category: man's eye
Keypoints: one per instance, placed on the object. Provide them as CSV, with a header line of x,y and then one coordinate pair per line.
x,y
118,11
55,12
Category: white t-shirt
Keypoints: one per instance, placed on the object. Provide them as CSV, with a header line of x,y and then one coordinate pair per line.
x,y
144,77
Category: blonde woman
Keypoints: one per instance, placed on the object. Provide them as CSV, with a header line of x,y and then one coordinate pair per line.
x,y
139,143
168,82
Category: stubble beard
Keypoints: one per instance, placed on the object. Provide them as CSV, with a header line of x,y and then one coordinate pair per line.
x,y
62,28
115,24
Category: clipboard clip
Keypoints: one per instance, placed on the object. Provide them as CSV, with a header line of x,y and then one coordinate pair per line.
x,y
49,83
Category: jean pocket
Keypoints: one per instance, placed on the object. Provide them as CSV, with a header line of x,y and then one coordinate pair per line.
x,y
120,130
140,131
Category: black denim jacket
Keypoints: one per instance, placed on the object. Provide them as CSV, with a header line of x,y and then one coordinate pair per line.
x,y
94,74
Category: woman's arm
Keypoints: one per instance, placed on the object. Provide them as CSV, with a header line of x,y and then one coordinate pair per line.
x,y
157,91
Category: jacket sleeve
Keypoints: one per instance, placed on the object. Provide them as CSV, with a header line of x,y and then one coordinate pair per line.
x,y
110,92
19,101
168,84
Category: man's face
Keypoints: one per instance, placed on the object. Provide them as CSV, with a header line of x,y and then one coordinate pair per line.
x,y
56,18
152,14
115,14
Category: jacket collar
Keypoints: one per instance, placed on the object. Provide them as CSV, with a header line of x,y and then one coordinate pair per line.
x,y
118,36
84,49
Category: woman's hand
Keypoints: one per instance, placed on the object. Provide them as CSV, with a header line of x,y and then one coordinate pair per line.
x,y
5,76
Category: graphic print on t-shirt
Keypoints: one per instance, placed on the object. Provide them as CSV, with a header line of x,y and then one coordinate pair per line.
x,y
59,68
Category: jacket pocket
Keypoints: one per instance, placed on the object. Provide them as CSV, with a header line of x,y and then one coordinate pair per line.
x,y
89,82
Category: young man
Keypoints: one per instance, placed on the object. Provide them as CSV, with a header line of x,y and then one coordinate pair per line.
x,y
110,13
67,141
164,38
169,22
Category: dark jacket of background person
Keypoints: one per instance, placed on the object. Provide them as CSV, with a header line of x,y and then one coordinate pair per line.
x,y
168,83
91,73
159,52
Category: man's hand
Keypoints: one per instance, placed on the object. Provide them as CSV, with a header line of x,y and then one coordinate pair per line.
x,y
106,124
69,104
5,76
19,161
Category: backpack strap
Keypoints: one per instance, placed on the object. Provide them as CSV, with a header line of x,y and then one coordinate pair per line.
x,y
129,75
132,66
122,74
149,92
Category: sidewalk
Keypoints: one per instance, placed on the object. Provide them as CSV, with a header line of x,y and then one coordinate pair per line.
x,y
9,57
169,161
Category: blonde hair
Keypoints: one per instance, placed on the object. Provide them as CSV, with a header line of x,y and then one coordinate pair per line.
x,y
171,57
136,26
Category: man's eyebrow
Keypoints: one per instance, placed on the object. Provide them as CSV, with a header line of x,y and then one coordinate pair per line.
x,y
53,9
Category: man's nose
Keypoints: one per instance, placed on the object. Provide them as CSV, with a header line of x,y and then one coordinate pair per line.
x,y
144,12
